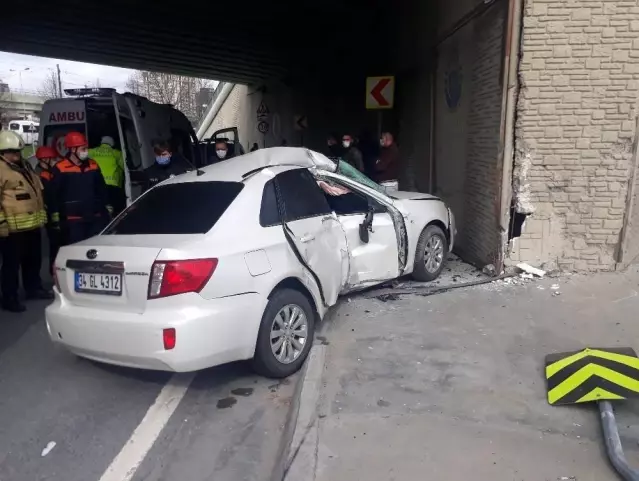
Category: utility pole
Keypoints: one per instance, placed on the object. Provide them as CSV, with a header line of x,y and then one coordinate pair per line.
x,y
59,81
24,110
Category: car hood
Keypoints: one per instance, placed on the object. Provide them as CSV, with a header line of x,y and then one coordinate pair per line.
x,y
401,195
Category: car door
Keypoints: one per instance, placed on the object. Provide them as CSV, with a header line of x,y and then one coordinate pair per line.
x,y
374,261
314,230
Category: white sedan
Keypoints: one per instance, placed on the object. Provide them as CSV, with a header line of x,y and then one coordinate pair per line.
x,y
240,260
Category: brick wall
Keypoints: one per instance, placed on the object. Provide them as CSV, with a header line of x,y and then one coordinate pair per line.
x,y
579,77
631,247
467,170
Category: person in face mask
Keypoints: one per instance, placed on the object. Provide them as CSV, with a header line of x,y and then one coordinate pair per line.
x,y
77,201
221,151
47,158
167,163
22,214
352,154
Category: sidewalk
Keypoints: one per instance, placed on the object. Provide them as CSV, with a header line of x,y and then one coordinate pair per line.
x,y
450,387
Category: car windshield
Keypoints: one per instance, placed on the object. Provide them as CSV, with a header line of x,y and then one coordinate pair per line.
x,y
184,208
347,170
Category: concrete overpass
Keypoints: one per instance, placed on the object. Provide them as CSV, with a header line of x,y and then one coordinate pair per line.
x,y
544,138
16,105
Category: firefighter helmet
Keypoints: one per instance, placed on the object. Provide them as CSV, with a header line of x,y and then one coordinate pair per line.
x,y
10,141
75,139
46,152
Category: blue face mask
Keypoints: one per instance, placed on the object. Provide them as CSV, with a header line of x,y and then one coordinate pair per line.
x,y
163,159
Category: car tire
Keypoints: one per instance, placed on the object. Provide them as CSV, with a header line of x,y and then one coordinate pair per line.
x,y
431,238
266,360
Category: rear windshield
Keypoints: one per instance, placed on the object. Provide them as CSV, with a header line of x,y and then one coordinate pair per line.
x,y
185,208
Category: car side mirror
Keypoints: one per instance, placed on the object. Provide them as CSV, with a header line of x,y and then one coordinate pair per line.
x,y
366,226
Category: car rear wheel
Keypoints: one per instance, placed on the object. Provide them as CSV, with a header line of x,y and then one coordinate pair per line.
x,y
430,256
286,334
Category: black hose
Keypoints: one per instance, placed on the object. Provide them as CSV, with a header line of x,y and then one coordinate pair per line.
x,y
613,442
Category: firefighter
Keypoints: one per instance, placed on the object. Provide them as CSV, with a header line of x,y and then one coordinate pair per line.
x,y
78,199
112,166
47,158
22,214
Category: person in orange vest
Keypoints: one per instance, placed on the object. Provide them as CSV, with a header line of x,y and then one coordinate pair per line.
x,y
47,158
22,214
78,200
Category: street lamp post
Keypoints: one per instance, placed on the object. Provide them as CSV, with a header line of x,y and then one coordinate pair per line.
x,y
24,108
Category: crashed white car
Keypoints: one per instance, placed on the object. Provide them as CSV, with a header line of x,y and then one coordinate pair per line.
x,y
240,260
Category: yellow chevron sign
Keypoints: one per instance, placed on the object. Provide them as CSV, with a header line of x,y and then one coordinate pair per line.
x,y
592,375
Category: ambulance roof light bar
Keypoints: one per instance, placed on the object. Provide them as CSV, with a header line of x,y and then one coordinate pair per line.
x,y
89,91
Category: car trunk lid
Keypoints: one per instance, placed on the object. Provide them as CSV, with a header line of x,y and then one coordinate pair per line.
x,y
110,272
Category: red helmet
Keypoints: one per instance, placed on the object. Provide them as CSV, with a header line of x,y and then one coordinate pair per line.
x,y
75,139
46,152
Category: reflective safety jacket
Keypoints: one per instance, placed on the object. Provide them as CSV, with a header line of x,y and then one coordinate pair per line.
x,y
21,198
111,164
77,193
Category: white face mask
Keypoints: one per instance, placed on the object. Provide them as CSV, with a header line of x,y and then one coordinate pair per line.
x,y
83,155
346,144
382,143
221,153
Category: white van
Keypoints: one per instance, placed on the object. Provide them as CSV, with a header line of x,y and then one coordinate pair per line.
x,y
133,121
27,129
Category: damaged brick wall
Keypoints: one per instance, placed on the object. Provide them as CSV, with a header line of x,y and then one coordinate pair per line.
x,y
575,126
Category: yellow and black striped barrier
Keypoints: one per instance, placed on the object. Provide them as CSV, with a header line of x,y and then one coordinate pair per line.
x,y
592,375
600,375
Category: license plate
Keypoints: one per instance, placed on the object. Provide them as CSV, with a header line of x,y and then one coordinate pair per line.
x,y
108,284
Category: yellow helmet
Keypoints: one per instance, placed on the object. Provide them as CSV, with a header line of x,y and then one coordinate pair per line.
x,y
10,141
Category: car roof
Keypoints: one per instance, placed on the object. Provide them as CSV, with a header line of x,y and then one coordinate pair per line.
x,y
236,168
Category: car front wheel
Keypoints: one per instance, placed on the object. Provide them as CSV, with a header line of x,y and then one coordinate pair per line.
x,y
286,334
430,256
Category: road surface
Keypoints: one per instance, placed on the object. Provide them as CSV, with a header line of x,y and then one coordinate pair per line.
x,y
112,423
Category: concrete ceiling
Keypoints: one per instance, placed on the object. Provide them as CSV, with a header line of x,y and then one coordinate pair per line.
x,y
240,40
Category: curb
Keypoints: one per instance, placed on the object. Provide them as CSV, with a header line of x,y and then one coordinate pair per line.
x,y
301,458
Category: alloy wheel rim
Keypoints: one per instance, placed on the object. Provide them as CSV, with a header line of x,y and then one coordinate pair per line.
x,y
289,333
434,253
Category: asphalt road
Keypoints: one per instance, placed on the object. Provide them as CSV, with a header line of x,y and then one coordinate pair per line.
x,y
227,425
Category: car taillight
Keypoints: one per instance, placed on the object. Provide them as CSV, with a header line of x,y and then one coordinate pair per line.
x,y
170,278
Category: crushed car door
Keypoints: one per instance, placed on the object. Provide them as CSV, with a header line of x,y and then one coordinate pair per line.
x,y
313,230
373,259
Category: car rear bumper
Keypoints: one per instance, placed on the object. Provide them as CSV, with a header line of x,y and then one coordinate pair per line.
x,y
208,332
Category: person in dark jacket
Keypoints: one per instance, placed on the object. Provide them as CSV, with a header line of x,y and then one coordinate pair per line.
x,y
167,163
47,158
387,166
333,148
352,154
222,151
78,200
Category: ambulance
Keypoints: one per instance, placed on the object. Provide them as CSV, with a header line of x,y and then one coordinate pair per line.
x,y
133,121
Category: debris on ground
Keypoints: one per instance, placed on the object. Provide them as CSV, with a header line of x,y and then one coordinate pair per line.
x,y
528,269
48,448
489,270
